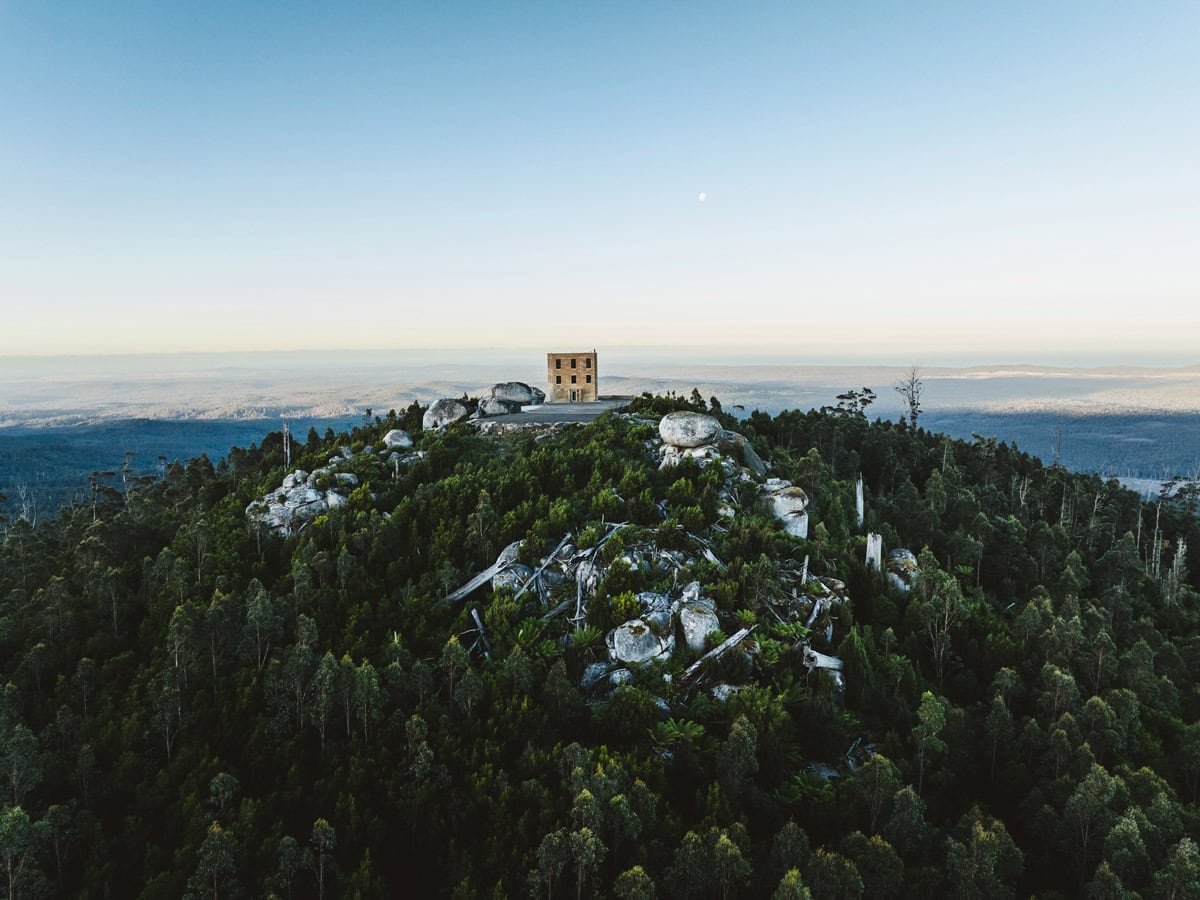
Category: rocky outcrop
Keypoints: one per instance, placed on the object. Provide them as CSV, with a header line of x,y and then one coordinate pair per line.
x,y
736,445
397,439
688,429
787,503
444,412
497,406
902,569
300,498
517,392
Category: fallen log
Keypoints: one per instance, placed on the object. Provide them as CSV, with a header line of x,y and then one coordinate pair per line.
x,y
477,582
718,651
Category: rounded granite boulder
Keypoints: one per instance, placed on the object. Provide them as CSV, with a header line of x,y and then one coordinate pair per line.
x,y
444,412
517,392
688,429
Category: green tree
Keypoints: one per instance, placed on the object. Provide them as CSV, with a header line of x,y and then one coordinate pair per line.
x,y
832,876
221,790
1087,809
791,887
983,863
20,842
291,861
1105,885
878,864
553,854
691,868
931,719
323,840
634,884
941,608
587,852
215,865
21,761
738,758
730,869
1179,879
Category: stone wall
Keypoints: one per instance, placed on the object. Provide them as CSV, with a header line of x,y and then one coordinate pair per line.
x,y
567,372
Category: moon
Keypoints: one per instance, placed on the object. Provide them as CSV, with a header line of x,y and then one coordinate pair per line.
x,y
702,197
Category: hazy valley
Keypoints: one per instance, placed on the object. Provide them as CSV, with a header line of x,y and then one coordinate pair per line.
x,y
63,418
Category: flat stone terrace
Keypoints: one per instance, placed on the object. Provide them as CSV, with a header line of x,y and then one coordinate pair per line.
x,y
554,413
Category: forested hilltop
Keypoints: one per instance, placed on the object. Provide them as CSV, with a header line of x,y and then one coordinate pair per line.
x,y
202,702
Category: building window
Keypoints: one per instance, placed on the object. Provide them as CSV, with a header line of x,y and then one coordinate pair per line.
x,y
573,379
589,379
558,364
572,364
587,363
558,379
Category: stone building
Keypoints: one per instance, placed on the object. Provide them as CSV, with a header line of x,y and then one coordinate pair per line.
x,y
572,378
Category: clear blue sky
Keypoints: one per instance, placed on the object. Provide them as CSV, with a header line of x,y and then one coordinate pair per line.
x,y
1010,180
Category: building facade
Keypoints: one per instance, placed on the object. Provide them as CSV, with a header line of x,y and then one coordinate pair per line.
x,y
572,378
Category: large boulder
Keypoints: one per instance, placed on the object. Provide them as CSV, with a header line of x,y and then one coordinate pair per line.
x,y
787,503
592,675
688,429
517,392
397,439
444,412
902,569
635,643
497,406
698,621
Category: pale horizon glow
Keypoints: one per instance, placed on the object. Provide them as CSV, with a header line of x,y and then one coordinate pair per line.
x,y
1002,182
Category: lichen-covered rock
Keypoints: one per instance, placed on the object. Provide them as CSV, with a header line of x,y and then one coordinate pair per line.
x,y
656,611
517,392
698,621
397,439
688,429
787,503
511,578
737,446
902,569
497,406
593,674
444,412
635,643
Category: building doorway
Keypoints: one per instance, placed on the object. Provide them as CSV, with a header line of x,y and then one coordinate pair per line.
x,y
574,396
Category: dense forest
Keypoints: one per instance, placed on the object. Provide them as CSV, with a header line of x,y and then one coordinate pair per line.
x,y
194,705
